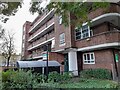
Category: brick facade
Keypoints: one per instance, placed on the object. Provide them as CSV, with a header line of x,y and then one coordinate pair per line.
x,y
105,41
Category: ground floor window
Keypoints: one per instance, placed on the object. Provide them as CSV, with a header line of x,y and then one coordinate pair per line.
x,y
89,58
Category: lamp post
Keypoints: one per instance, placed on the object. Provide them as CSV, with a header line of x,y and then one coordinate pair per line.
x,y
47,63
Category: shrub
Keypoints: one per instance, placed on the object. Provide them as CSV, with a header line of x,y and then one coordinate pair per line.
x,y
96,73
20,79
6,75
56,77
41,78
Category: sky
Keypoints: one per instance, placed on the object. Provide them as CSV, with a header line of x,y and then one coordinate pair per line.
x,y
15,23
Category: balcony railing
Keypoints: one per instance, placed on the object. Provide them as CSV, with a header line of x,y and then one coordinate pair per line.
x,y
42,18
103,38
41,41
114,8
43,28
35,55
37,42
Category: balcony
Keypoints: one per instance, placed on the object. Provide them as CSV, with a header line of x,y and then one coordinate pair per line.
x,y
103,40
43,19
41,41
37,42
114,8
43,30
35,55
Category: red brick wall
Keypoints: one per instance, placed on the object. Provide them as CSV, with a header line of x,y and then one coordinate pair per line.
x,y
109,37
58,57
59,29
100,28
113,8
103,59
27,27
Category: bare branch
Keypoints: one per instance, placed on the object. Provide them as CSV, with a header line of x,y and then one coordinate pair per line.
x,y
7,47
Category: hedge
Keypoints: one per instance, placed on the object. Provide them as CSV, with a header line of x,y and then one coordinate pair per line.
x,y
96,73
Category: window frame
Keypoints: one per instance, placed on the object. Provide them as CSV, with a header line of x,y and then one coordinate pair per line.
x,y
60,19
81,34
63,39
92,61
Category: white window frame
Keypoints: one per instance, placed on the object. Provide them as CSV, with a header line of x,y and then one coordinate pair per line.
x,y
92,61
81,30
62,39
53,43
60,19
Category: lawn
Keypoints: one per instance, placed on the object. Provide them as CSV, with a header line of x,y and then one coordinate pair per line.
x,y
84,83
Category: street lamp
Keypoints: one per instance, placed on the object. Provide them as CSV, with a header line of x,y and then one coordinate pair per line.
x,y
47,62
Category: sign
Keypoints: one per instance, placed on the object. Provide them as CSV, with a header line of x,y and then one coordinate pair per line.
x,y
44,55
116,57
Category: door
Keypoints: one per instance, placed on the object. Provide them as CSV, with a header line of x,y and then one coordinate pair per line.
x,y
66,66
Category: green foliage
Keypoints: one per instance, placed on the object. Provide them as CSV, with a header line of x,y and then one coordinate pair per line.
x,y
8,9
56,77
26,80
35,7
6,75
96,73
20,79
12,8
41,78
80,10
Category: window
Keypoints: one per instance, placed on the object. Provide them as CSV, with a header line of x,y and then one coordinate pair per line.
x,y
62,38
88,58
53,43
83,32
60,19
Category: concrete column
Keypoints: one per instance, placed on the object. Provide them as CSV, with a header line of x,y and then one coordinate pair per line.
x,y
72,60
42,70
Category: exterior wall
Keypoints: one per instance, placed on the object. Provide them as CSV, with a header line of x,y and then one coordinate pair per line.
x,y
100,28
113,8
58,57
39,33
102,34
107,37
59,29
103,59
25,44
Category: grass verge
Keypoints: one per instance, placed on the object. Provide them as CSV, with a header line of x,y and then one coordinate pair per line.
x,y
84,83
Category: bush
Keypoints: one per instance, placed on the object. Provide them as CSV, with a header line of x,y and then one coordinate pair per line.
x,y
20,79
6,75
56,77
96,73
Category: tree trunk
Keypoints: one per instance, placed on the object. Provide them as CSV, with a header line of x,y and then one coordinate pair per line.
x,y
8,61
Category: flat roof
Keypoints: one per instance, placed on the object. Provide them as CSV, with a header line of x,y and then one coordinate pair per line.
x,y
29,64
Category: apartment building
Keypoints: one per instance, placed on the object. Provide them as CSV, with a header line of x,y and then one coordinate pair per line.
x,y
88,47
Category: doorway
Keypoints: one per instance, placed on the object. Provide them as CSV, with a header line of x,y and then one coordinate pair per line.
x,y
66,66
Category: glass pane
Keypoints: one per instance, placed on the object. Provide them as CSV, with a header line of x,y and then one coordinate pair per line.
x,y
85,57
85,27
92,61
88,57
62,38
85,61
92,56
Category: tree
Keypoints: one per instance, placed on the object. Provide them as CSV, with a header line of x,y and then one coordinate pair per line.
x,y
1,32
79,9
8,9
7,47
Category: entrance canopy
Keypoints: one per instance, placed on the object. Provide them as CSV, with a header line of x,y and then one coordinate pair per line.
x,y
29,64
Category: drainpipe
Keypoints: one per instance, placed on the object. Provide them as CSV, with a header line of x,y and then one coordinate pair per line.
x,y
115,71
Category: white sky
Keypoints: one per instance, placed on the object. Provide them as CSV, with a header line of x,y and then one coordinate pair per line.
x,y
15,23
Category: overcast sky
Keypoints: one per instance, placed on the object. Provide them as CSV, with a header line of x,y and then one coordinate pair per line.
x,y
15,23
